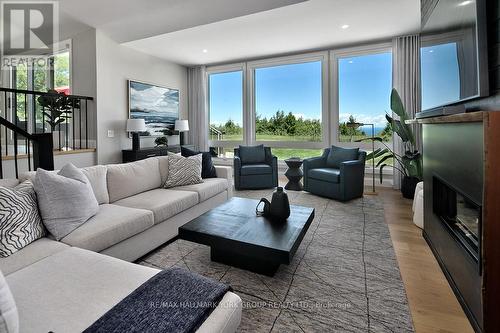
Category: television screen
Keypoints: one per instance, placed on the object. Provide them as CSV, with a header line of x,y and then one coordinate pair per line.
x,y
453,54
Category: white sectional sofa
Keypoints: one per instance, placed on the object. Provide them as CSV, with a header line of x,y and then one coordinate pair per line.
x,y
65,286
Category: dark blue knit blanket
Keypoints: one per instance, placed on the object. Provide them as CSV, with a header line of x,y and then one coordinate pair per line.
x,y
174,300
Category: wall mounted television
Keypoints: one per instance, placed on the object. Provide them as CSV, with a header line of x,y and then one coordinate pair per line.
x,y
453,55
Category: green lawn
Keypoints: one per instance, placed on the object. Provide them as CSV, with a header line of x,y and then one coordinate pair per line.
x,y
264,137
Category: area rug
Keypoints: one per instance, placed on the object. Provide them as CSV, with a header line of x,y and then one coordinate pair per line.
x,y
343,278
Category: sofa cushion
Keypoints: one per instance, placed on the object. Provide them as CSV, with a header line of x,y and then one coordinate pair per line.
x,y
125,180
20,222
164,203
9,317
111,225
97,178
30,254
338,155
183,170
9,182
207,165
256,169
325,174
163,163
70,290
66,200
252,154
209,188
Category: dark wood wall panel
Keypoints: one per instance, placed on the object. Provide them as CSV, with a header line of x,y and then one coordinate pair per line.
x,y
491,103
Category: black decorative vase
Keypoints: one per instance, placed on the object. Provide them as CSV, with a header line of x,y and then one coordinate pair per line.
x,y
280,206
408,186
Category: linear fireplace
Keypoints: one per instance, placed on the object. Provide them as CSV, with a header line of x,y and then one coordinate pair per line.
x,y
460,215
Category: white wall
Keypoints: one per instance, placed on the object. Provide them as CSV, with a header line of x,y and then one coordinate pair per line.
x,y
115,65
84,76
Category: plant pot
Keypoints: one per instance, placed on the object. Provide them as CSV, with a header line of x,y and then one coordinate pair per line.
x,y
55,139
408,186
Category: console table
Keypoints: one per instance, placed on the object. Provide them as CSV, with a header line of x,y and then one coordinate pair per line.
x,y
129,155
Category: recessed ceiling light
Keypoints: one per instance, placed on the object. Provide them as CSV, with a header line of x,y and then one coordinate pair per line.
x,y
465,3
205,51
345,26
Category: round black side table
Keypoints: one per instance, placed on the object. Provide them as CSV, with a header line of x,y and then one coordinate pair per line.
x,y
294,174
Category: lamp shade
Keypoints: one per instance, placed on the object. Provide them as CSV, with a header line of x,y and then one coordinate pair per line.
x,y
181,125
136,125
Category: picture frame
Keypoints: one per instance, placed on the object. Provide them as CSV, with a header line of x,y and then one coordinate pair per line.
x,y
156,104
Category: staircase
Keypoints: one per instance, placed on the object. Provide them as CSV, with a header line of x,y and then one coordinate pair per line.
x,y
27,142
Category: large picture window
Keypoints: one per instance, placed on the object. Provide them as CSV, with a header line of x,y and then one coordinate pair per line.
x,y
296,106
364,88
288,103
226,106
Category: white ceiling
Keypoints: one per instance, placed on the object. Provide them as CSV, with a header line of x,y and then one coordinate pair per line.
x,y
179,30
309,25
127,20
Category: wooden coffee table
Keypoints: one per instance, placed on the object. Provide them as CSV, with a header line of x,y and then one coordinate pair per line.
x,y
237,237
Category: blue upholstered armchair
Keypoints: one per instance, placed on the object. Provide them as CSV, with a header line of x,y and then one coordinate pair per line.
x,y
255,168
338,174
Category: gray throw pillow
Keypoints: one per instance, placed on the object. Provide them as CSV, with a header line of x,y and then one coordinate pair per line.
x,y
66,199
338,155
183,170
20,222
9,317
252,154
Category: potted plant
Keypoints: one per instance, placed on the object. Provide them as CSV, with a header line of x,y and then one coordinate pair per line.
x,y
410,163
57,108
161,141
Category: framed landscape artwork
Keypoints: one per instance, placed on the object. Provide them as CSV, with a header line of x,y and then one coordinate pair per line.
x,y
158,106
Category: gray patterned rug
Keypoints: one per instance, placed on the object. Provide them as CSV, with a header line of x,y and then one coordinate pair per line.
x,y
344,276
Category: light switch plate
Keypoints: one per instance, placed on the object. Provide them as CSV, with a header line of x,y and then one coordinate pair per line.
x,y
111,134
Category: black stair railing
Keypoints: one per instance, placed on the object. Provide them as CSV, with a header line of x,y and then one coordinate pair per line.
x,y
25,131
21,107
43,151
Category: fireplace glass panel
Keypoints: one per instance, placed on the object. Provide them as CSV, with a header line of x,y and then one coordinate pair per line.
x,y
461,214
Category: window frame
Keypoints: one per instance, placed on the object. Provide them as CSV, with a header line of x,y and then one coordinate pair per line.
x,y
220,70
291,60
335,55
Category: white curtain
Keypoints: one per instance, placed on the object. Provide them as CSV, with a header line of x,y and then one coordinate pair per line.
x,y
197,107
406,80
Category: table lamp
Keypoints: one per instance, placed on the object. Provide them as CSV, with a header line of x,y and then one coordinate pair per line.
x,y
181,126
135,126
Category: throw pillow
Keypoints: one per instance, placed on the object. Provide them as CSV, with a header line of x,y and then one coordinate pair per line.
x,y
183,170
252,154
66,199
207,165
338,155
9,317
20,222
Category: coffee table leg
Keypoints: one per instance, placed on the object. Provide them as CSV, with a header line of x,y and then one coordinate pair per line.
x,y
264,267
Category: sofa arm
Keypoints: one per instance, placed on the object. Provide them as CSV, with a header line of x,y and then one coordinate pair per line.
x,y
236,167
352,178
223,171
226,172
311,163
274,165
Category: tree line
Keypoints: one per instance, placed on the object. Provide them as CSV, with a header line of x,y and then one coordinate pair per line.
x,y
282,124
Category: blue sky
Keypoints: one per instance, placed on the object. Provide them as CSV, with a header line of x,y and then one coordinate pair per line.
x,y
440,75
364,90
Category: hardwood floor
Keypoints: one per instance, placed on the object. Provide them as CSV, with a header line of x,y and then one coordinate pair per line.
x,y
433,305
